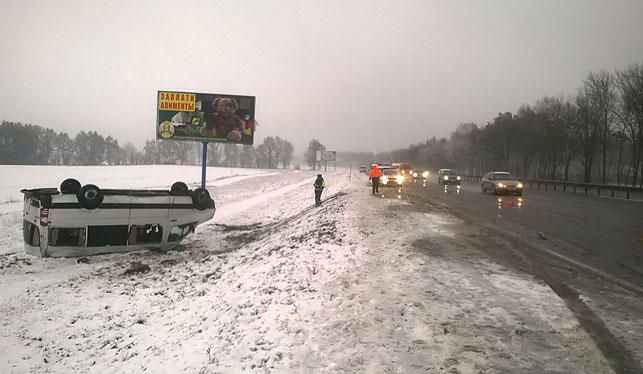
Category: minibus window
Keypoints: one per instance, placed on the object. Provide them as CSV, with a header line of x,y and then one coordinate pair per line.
x,y
99,236
179,232
31,233
66,237
145,234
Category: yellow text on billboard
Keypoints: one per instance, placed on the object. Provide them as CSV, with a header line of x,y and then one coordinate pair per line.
x,y
177,101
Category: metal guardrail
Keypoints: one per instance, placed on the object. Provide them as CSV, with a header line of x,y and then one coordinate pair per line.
x,y
574,186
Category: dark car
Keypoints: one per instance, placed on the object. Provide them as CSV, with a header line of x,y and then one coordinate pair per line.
x,y
501,182
448,176
420,174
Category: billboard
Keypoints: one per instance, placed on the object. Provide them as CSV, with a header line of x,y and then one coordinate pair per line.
x,y
208,117
328,156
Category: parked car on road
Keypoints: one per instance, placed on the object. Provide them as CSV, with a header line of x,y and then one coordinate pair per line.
x,y
448,176
79,221
501,182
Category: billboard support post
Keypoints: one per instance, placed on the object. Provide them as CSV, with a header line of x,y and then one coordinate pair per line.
x,y
204,163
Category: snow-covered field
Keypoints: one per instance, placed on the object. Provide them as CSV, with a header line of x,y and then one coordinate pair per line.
x,y
274,284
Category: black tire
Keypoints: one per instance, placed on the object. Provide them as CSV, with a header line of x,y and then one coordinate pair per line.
x,y
70,185
90,196
179,188
519,193
484,190
495,192
201,199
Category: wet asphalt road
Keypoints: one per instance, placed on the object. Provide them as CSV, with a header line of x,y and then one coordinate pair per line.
x,y
601,232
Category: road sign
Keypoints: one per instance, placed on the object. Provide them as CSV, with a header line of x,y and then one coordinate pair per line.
x,y
328,156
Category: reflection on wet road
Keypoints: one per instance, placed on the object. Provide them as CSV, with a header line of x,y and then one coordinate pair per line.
x,y
510,203
604,233
448,189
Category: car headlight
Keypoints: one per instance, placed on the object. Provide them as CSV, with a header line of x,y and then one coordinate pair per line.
x,y
458,178
415,175
425,174
399,179
520,185
500,185
446,177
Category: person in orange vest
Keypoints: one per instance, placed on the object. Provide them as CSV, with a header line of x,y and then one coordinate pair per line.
x,y
374,176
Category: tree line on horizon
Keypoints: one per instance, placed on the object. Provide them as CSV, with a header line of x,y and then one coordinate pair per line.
x,y
27,144
595,136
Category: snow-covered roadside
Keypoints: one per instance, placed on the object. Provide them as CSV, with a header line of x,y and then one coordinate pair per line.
x,y
424,300
47,293
362,284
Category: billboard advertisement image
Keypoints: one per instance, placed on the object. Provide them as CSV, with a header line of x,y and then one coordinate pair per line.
x,y
208,117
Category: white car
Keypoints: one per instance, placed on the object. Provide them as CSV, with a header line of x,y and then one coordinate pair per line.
x,y
501,182
80,221
391,178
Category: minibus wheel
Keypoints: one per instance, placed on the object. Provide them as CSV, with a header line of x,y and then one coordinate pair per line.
x,y
179,188
89,196
70,185
201,198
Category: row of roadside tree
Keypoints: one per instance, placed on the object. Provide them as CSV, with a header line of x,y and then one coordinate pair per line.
x,y
23,144
593,136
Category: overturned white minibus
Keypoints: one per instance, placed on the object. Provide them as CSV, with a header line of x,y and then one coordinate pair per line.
x,y
81,221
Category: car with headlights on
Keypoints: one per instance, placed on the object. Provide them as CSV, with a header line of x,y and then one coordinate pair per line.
x,y
420,174
501,182
448,176
391,178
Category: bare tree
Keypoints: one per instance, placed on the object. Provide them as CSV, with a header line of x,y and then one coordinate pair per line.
x,y
183,151
214,154
311,152
601,103
569,120
231,152
285,156
630,112
65,146
111,150
131,156
262,160
587,134
152,152
247,156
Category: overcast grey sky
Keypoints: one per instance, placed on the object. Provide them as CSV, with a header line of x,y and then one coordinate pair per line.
x,y
357,75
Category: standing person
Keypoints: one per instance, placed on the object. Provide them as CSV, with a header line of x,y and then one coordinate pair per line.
x,y
374,176
319,184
